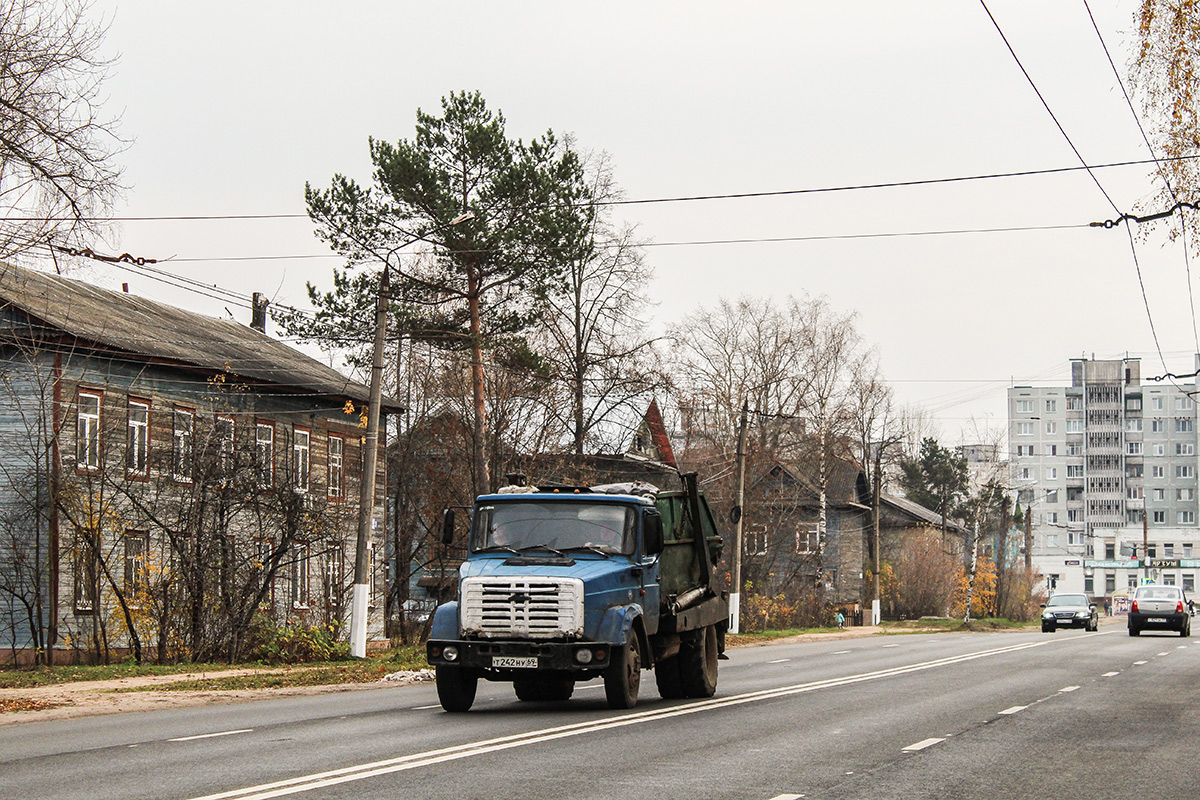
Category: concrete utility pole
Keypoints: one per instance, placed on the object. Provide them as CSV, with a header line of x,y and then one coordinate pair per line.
x,y
735,590
876,498
360,596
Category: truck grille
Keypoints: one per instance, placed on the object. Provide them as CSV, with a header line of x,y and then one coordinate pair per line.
x,y
535,608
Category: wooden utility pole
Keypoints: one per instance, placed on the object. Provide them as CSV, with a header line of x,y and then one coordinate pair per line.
x,y
736,589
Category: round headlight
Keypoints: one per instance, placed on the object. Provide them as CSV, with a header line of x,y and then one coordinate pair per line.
x,y
450,653
583,655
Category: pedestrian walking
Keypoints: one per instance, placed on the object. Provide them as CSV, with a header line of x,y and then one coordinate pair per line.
x,y
1107,607
841,621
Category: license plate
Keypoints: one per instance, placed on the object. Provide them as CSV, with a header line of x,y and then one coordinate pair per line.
x,y
511,662
1065,621
1156,619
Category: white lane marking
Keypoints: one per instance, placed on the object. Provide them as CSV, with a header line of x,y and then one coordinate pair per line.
x,y
1068,688
891,645
321,780
1139,663
1013,709
787,797
1109,674
425,708
840,652
779,661
1164,654
210,735
921,745
1181,647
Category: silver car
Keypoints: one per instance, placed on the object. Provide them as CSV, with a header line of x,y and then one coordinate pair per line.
x,y
1159,608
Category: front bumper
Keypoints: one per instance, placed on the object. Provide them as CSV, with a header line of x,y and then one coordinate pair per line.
x,y
490,655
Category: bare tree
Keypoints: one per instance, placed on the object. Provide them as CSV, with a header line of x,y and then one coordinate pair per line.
x,y
56,150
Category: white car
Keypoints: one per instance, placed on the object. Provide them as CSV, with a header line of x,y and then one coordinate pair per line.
x,y
1161,608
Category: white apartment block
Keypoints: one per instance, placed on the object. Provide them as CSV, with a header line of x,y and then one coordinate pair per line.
x,y
1108,468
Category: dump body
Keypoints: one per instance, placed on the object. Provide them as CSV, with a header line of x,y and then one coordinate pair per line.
x,y
571,585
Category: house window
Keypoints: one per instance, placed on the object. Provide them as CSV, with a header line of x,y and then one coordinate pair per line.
x,y
1024,406
300,458
1074,426
264,453
1051,473
1051,496
1132,582
1051,517
1168,579
1156,426
137,544
225,446
1051,405
1075,470
87,431
1168,549
1074,404
1110,550
1133,425
1134,492
1189,582
1133,404
1024,450
1185,449
1159,517
1187,517
1025,473
1110,582
1184,403
807,540
87,576
1133,448
337,474
1051,427
1185,494
181,458
1024,429
299,578
1156,403
1185,471
756,541
1183,425
1160,494
1089,585
137,444
1158,449
1187,549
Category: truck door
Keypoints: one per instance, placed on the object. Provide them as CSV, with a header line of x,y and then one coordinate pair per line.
x,y
650,563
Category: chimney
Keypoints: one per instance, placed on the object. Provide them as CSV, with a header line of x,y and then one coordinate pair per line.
x,y
258,319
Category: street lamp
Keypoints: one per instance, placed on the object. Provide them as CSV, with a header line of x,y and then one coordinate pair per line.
x,y
366,492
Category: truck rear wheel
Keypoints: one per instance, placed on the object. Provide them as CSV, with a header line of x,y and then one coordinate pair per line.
x,y
666,675
623,677
698,663
455,687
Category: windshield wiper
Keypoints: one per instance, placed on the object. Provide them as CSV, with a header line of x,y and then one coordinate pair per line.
x,y
544,547
496,547
591,549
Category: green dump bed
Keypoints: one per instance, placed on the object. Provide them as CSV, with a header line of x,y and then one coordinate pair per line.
x,y
681,570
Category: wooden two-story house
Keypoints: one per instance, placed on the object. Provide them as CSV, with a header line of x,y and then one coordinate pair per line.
x,y
172,486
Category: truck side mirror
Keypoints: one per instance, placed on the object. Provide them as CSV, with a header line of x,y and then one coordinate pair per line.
x,y
448,526
652,533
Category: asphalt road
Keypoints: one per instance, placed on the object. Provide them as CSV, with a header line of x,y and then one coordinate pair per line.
x,y
996,716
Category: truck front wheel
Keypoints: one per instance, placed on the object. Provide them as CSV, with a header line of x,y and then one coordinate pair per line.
x,y
455,687
623,677
698,663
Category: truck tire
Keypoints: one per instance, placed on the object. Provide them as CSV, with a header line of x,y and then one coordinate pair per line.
x,y
544,689
666,675
698,663
623,677
455,687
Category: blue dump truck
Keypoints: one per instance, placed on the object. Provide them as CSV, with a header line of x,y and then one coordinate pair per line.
x,y
565,584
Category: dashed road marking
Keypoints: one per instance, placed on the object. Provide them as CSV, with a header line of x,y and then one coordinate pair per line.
x,y
1068,688
209,735
1109,674
425,708
787,797
779,661
921,745
1013,709
891,645
839,652
1164,654
1139,663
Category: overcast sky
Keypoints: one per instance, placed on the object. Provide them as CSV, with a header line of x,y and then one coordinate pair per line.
x,y
232,106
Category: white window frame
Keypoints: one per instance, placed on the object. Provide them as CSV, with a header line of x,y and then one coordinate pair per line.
x,y
1024,429
137,438
336,466
301,457
264,453
88,408
183,430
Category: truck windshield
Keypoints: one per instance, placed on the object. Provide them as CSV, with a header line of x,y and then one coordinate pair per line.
x,y
520,525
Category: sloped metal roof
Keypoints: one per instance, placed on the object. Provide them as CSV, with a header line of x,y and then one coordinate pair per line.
x,y
156,331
